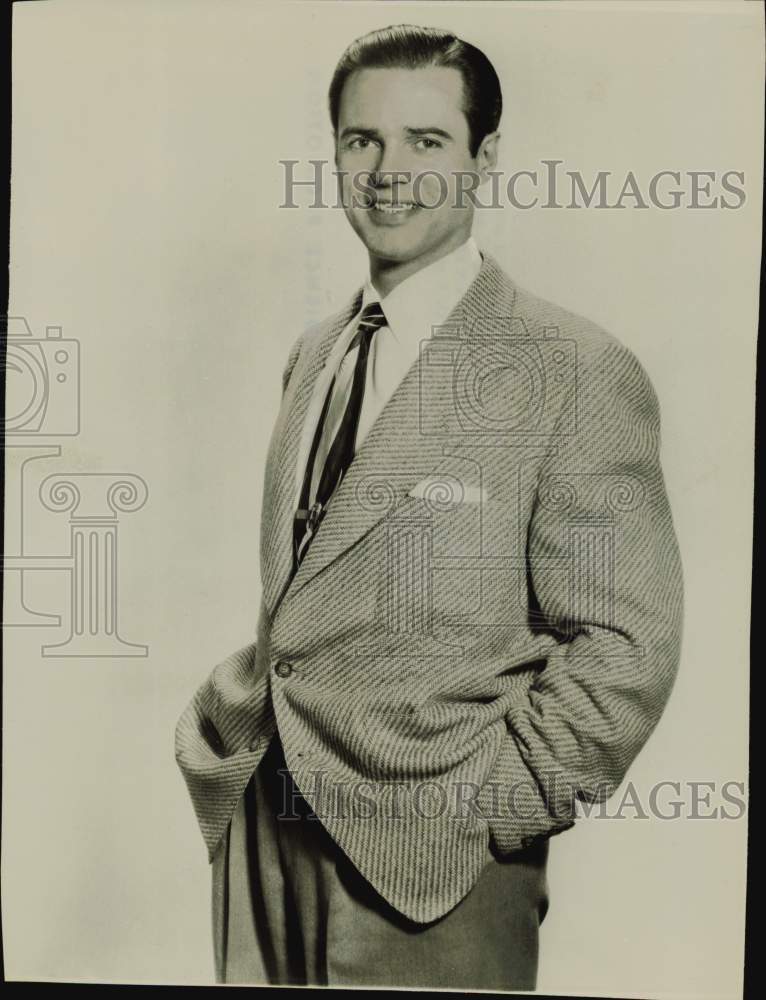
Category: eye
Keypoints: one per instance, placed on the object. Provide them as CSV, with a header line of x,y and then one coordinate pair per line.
x,y
359,142
426,143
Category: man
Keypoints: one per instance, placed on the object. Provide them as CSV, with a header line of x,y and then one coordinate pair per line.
x,y
471,607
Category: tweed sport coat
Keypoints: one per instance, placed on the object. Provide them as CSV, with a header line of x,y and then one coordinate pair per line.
x,y
486,626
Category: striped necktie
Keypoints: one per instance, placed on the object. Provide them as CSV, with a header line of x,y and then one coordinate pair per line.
x,y
341,452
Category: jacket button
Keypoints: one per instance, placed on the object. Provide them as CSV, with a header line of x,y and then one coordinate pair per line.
x,y
283,669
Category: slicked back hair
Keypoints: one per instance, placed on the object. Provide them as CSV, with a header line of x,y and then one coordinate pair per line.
x,y
408,46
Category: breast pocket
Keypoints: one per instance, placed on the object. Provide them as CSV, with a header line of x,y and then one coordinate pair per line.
x,y
452,562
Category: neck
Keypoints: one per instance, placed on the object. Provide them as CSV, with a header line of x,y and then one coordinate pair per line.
x,y
385,275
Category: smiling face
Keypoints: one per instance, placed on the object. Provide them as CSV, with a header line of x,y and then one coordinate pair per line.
x,y
401,142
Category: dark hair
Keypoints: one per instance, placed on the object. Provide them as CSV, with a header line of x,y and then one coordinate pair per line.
x,y
409,46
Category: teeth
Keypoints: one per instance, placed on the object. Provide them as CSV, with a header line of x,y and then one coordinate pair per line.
x,y
392,209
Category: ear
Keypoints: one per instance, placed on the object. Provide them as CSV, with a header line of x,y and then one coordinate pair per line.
x,y
486,155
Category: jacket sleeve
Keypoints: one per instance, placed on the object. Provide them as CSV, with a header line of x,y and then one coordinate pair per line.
x,y
292,358
605,580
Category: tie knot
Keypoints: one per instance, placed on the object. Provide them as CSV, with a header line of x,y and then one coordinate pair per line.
x,y
372,317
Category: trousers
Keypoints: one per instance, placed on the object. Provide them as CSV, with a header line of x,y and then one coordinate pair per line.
x,y
290,908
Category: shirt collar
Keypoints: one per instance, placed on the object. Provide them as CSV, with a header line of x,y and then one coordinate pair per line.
x,y
426,298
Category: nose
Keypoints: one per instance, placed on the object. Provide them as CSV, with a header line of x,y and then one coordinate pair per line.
x,y
389,168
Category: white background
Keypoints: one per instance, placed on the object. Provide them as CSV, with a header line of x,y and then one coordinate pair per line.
x,y
146,182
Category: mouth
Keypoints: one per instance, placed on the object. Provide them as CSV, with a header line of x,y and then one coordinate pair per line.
x,y
392,214
394,208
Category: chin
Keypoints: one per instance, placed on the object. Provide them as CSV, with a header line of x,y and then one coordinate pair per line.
x,y
394,254
391,246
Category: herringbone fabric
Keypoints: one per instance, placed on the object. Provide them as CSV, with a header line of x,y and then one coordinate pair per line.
x,y
487,625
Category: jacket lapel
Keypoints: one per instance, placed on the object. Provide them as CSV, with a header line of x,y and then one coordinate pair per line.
x,y
398,451
279,478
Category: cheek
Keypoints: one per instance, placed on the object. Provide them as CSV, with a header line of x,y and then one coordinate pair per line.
x,y
432,188
354,172
437,185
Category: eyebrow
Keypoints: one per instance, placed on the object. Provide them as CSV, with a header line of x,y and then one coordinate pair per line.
x,y
373,133
430,130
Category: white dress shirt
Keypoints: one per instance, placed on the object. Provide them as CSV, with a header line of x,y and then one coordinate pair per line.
x,y
412,309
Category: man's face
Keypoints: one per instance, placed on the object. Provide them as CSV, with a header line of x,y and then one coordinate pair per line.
x,y
402,139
